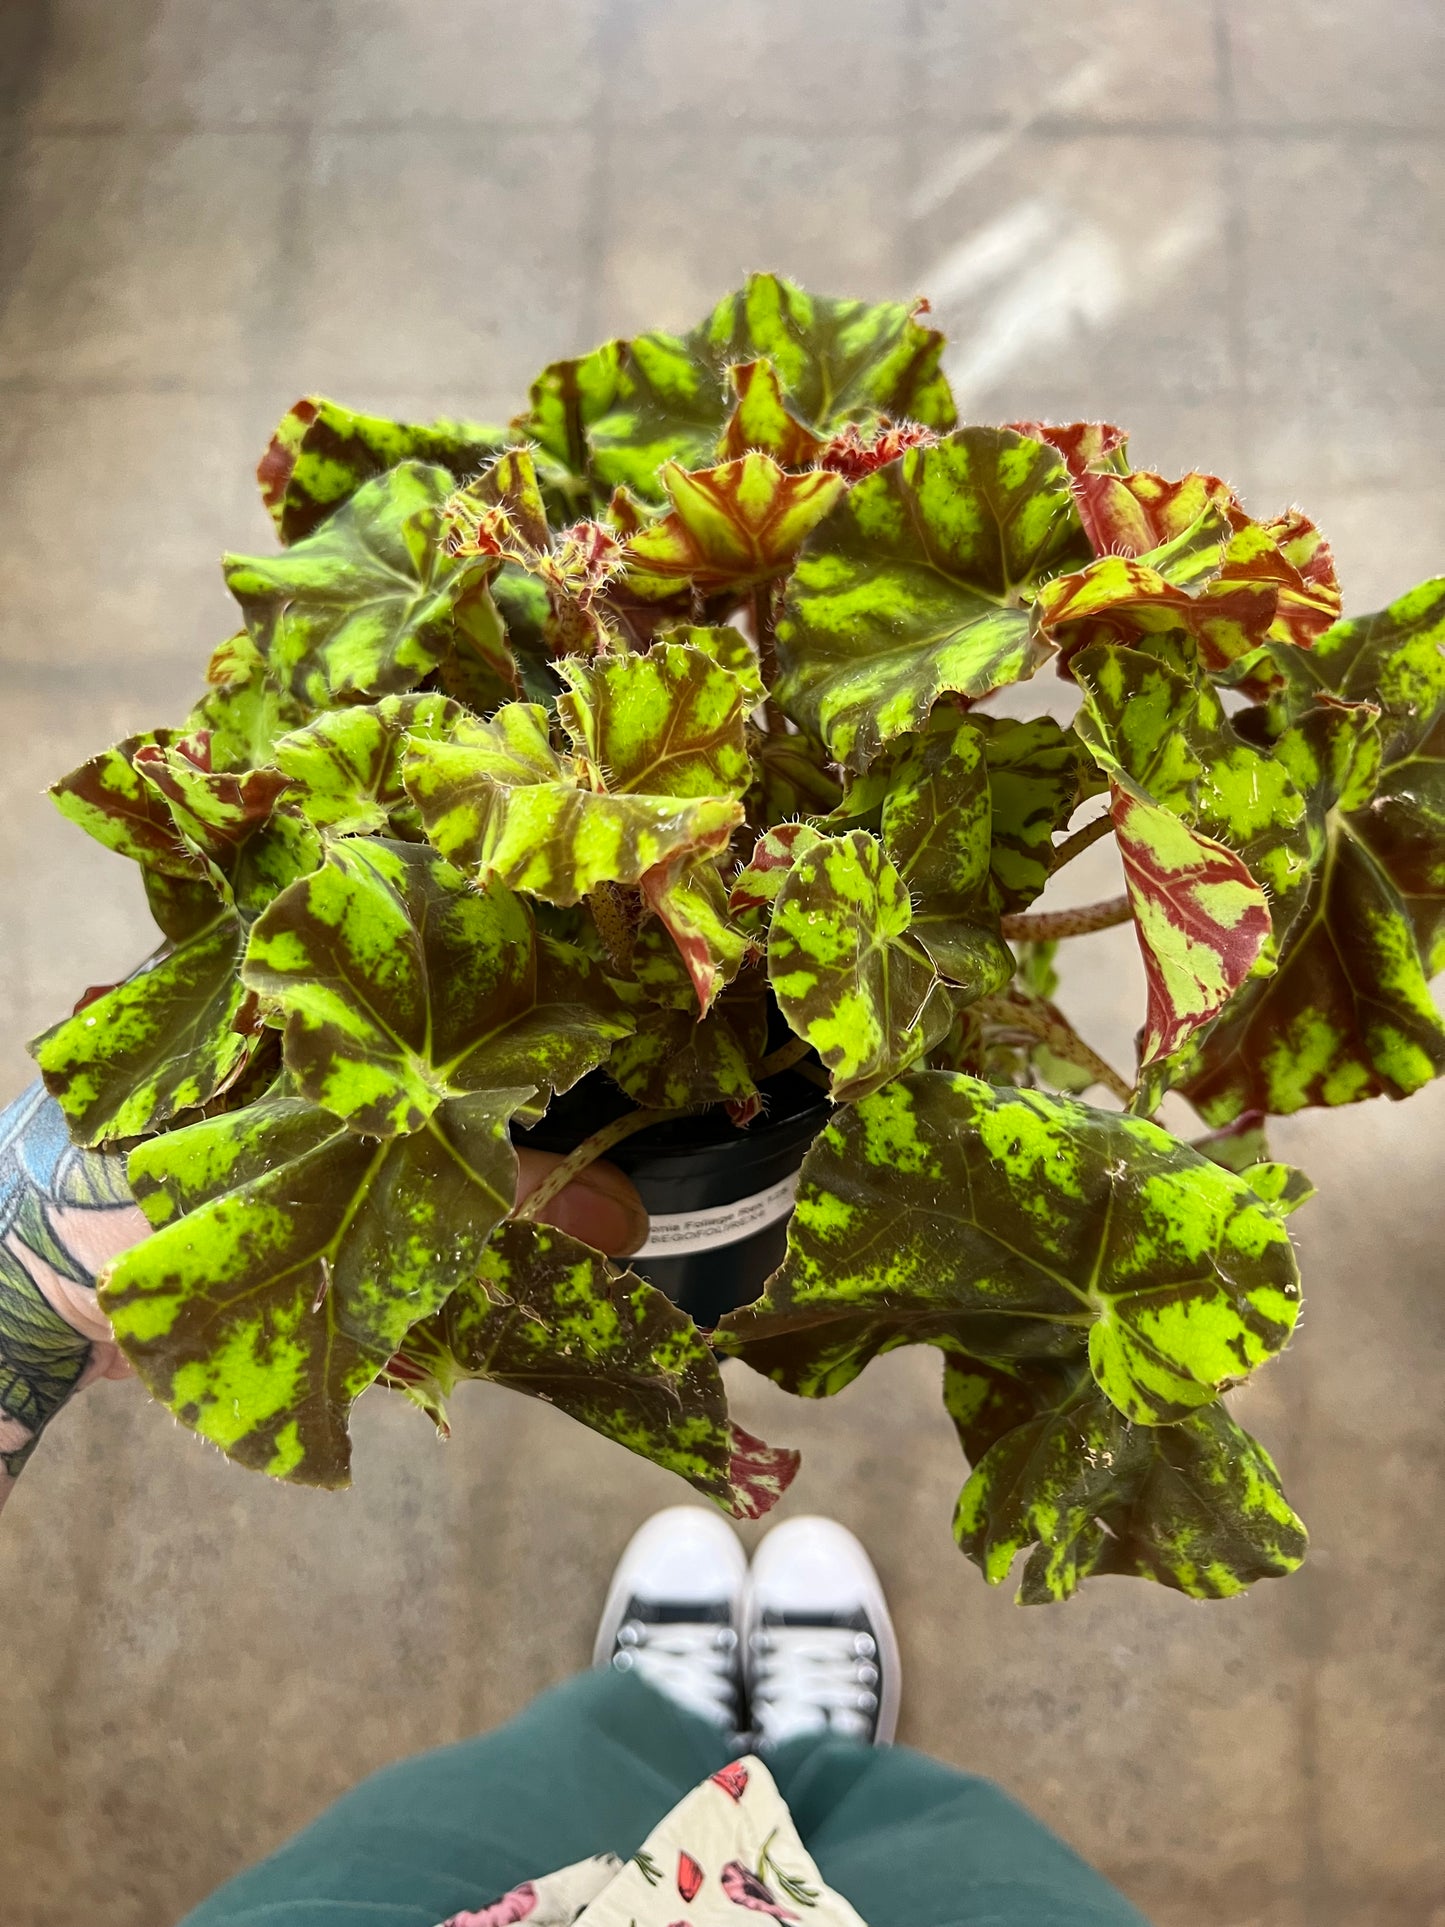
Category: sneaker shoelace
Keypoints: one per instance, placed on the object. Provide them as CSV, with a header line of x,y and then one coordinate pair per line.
x,y
807,1677
694,1663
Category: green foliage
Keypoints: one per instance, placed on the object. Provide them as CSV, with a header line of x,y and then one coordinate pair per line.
x,y
645,738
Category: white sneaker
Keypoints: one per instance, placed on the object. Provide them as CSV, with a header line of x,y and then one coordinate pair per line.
x,y
819,1650
672,1612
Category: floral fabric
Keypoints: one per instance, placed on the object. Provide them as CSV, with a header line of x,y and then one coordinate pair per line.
x,y
729,1849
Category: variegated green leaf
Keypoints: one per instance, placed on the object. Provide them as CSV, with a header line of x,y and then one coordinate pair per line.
x,y
1195,581
170,1038
936,822
729,527
912,585
498,800
111,800
402,987
1012,1225
1151,717
690,899
762,420
619,413
502,516
245,710
837,361
1349,1014
214,812
1128,512
1201,919
1037,777
370,603
549,1317
757,885
846,969
674,1059
322,453
291,1258
729,648
667,723
345,768
1196,1506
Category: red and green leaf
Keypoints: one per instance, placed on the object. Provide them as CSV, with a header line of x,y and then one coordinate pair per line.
x,y
322,453
911,588
499,801
847,970
729,527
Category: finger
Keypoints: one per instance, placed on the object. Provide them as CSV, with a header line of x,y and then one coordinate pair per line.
x,y
600,1206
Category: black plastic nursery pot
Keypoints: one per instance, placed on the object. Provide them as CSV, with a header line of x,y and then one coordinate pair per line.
x,y
719,1197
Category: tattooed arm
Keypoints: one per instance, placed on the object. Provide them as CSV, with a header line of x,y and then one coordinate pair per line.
x,y
65,1213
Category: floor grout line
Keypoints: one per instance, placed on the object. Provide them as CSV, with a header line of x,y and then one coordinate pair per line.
x,y
1044,127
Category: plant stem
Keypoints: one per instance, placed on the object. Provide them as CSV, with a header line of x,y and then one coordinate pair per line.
x,y
587,1152
1045,1021
1043,926
783,1058
1080,841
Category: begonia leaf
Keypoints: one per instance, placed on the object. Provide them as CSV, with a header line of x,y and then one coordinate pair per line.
x,y
1151,717
370,603
498,800
245,709
1087,447
110,799
290,1259
729,648
690,899
848,974
1133,513
502,515
936,824
322,453
168,1039
911,587
550,1318
757,884
1184,584
619,413
729,526
1348,1014
762,420
1201,919
1038,774
838,361
198,833
215,812
402,986
1196,1506
345,767
670,722
673,1059
1128,512
1014,1225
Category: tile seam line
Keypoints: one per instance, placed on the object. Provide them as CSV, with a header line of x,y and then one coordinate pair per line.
x,y
1343,133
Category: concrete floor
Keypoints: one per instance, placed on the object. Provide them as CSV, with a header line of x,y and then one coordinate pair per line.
x,y
1220,224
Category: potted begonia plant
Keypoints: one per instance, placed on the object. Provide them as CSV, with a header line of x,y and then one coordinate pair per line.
x,y
623,781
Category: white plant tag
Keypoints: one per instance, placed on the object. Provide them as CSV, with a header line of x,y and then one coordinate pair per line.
x,y
677,1233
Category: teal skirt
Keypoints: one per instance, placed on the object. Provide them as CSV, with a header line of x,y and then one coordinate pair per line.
x,y
595,1764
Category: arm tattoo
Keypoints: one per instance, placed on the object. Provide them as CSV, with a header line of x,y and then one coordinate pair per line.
x,y
46,1184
